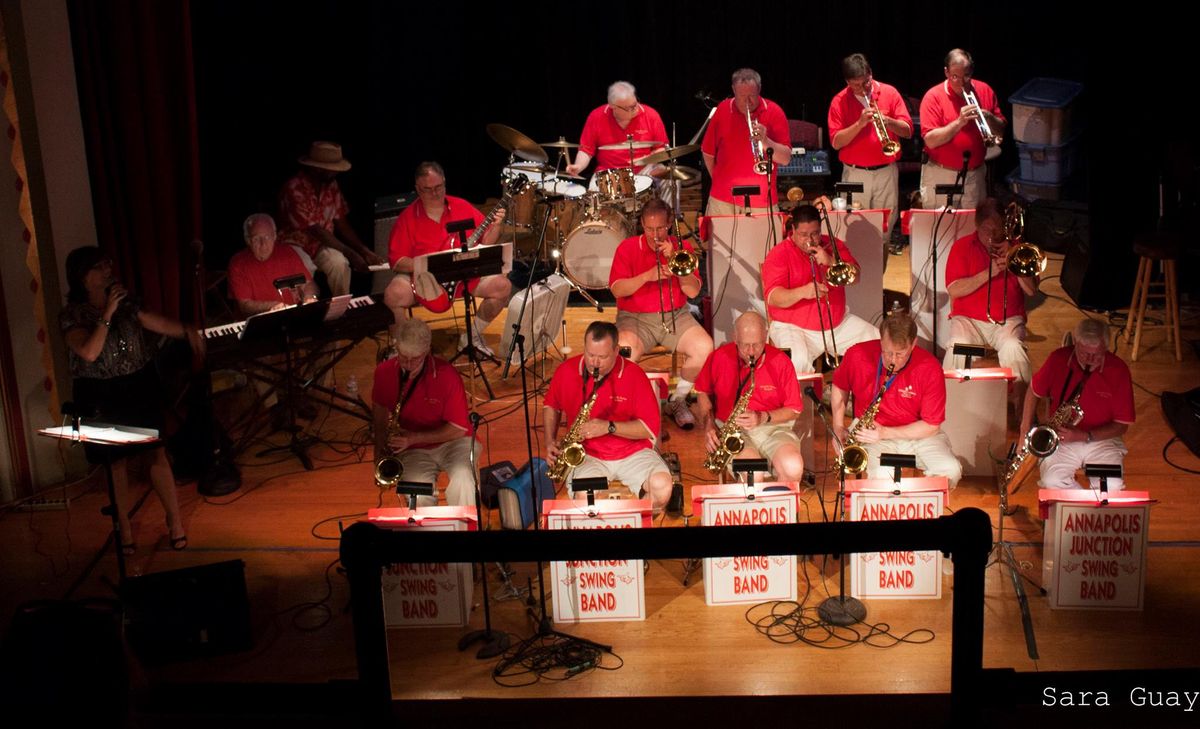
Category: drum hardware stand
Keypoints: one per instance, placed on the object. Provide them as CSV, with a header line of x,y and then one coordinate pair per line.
x,y
549,200
1003,556
494,642
473,354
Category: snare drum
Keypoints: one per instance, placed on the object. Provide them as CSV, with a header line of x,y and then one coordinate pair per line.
x,y
522,207
587,254
564,214
615,185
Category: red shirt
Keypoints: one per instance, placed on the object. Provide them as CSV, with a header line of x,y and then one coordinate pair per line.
x,y
437,396
865,149
940,107
303,205
253,280
625,394
416,234
917,393
601,128
633,257
787,266
969,256
775,384
728,139
1107,397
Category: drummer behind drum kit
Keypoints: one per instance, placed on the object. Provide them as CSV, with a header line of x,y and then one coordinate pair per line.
x,y
582,226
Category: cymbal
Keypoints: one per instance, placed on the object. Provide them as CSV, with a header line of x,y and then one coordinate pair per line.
x,y
517,143
562,143
662,156
635,144
681,173
531,167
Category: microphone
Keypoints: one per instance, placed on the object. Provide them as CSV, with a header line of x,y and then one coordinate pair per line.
x,y
475,419
812,395
966,161
703,95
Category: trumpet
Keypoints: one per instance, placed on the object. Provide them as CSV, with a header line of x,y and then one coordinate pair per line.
x,y
985,130
758,148
890,146
1021,259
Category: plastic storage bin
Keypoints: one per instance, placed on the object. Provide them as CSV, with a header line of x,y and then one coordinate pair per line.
x,y
1048,162
1042,110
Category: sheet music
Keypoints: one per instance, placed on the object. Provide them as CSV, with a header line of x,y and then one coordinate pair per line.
x,y
105,434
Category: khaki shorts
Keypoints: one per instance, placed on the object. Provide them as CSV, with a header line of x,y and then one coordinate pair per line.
x,y
768,439
632,470
649,327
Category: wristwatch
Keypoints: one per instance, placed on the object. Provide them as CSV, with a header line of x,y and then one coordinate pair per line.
x,y
612,427
1089,436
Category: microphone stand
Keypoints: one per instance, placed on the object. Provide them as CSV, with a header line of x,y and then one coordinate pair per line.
x,y
841,610
494,642
528,287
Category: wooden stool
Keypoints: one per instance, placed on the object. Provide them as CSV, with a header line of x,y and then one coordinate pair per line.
x,y
1164,247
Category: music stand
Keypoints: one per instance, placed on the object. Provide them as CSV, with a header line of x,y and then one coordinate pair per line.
x,y
287,325
464,265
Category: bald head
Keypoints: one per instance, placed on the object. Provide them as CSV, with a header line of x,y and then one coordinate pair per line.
x,y
750,334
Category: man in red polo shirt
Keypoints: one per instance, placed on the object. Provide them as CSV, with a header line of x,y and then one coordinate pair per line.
x,y
619,436
912,408
809,318
950,130
313,214
726,146
767,421
652,305
1106,401
976,270
852,133
432,432
421,230
623,116
254,269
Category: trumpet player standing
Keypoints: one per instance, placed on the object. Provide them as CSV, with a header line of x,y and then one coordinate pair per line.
x,y
420,416
952,126
774,402
747,133
652,305
808,314
911,400
619,431
866,121
1106,400
987,302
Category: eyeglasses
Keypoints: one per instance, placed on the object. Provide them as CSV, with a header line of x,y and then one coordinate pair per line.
x,y
627,109
429,190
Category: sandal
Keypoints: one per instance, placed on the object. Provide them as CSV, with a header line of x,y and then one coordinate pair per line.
x,y
179,543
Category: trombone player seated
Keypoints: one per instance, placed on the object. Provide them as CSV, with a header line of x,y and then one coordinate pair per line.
x,y
804,282
753,384
652,277
899,394
420,421
610,414
988,275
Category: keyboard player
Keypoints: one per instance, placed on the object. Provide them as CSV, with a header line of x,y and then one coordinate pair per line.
x,y
253,271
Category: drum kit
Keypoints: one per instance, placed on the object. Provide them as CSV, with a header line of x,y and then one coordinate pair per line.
x,y
580,226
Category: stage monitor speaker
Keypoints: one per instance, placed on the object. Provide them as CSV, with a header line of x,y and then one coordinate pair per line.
x,y
1052,224
1095,276
189,613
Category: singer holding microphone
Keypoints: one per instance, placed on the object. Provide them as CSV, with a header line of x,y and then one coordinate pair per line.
x,y
950,126
115,380
774,402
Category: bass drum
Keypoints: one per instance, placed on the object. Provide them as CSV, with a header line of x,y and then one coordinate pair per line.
x,y
587,254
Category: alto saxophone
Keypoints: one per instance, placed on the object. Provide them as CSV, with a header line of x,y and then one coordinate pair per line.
x,y
1042,440
854,456
570,449
731,440
388,468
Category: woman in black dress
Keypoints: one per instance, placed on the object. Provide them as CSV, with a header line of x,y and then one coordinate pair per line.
x,y
115,378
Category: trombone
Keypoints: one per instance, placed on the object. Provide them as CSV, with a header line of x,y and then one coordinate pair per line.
x,y
890,146
1022,259
758,148
681,263
831,361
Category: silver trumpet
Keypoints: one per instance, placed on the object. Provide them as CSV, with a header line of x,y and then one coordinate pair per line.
x,y
985,130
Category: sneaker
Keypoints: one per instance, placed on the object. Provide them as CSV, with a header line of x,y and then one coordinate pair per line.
x,y
683,416
480,344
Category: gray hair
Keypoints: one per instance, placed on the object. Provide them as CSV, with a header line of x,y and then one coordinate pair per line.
x,y
621,90
1091,331
957,56
254,219
747,76
413,337
426,167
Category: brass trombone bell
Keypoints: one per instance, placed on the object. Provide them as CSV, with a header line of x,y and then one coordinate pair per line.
x,y
1025,260
683,262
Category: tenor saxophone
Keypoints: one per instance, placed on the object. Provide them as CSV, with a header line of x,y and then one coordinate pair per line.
x,y
854,456
570,449
731,441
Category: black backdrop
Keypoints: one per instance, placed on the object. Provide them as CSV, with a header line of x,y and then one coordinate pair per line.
x,y
397,83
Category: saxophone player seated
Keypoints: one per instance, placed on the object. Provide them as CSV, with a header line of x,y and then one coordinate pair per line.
x,y
762,407
1106,399
420,417
900,397
608,407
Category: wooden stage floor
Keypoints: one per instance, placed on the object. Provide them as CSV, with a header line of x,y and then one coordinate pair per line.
x,y
284,523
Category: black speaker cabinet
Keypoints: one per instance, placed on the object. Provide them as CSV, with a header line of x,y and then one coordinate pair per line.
x,y
1098,276
188,613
